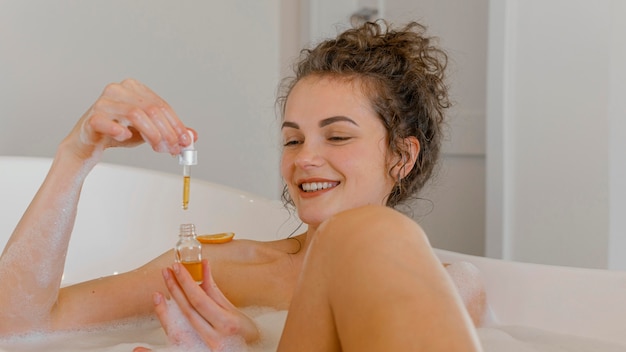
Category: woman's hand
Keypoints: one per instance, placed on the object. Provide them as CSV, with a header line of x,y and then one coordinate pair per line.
x,y
216,321
127,114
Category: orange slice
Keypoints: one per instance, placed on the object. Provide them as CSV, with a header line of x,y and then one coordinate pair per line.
x,y
216,237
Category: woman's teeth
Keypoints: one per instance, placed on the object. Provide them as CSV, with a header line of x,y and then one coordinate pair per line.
x,y
317,186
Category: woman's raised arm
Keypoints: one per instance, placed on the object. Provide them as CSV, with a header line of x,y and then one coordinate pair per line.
x,y
31,265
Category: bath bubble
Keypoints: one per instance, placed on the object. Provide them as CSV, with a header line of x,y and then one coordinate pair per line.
x,y
180,331
183,337
470,286
126,335
120,336
269,321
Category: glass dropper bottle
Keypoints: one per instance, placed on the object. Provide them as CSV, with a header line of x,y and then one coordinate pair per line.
x,y
188,251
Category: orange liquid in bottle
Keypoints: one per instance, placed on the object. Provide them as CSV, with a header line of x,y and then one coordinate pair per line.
x,y
195,269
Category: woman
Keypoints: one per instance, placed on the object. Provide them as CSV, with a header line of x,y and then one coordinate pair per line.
x,y
361,129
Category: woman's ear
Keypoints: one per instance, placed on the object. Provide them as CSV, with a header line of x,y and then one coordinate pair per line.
x,y
410,151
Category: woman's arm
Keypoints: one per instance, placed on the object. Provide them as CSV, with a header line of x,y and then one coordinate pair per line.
x,y
32,262
110,299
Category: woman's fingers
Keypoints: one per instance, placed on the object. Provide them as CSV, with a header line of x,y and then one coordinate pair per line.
x,y
216,307
205,308
128,113
101,125
127,122
162,311
209,304
148,121
181,286
197,305
197,320
166,110
159,112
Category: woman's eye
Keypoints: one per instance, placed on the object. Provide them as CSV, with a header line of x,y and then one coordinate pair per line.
x,y
291,142
338,138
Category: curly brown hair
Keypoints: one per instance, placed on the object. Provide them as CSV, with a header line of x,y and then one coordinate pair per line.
x,y
402,73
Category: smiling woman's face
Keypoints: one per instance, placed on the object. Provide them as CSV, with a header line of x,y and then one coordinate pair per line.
x,y
334,154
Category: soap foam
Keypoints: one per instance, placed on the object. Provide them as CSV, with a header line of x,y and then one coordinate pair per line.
x,y
126,335
182,336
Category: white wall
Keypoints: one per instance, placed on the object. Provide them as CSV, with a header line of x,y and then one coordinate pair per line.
x,y
617,137
215,62
555,138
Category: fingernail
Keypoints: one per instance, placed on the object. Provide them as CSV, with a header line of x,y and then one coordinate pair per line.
x,y
176,268
166,273
156,298
185,139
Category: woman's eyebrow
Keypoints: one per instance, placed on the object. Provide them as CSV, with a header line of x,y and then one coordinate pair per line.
x,y
325,122
290,124
330,120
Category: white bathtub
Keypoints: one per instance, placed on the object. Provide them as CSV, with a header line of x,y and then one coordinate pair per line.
x,y
127,216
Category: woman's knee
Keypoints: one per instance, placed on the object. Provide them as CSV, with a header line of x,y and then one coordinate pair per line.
x,y
364,233
369,224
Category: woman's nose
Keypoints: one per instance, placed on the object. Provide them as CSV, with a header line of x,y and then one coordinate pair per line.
x,y
308,156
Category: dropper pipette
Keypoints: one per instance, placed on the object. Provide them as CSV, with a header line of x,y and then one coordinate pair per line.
x,y
187,157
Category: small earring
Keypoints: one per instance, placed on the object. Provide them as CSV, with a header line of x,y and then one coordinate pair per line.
x,y
400,165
